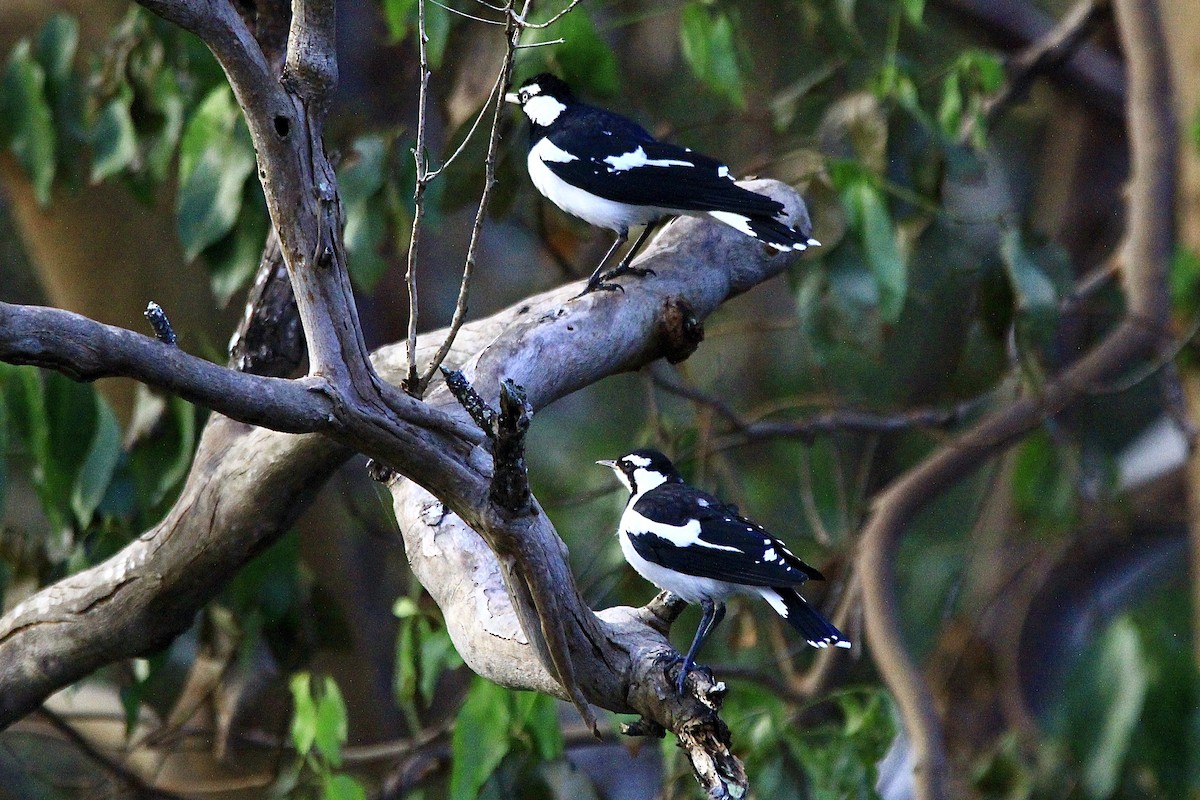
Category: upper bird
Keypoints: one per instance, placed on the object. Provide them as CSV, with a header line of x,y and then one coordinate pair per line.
x,y
609,171
691,544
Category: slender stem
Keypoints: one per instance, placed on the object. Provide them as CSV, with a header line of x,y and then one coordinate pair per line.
x,y
513,33
411,383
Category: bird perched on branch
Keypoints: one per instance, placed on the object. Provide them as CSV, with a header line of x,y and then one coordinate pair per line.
x,y
691,544
609,171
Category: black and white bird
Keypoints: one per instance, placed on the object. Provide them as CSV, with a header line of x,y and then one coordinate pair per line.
x,y
691,544
609,171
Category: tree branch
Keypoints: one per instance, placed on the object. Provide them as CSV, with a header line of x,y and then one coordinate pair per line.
x,y
1146,254
247,484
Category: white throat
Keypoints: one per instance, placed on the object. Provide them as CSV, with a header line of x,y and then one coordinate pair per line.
x,y
645,480
543,109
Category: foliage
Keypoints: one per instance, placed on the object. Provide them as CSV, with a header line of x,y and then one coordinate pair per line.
x,y
924,293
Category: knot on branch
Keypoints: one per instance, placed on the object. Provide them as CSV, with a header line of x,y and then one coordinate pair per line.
x,y
680,330
506,431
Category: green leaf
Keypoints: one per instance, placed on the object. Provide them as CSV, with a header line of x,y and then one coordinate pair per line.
x,y
914,10
25,120
332,728
481,738
537,715
304,713
401,16
950,110
113,138
234,259
437,656
342,787
366,225
706,37
437,28
215,159
868,215
1034,294
1119,685
55,49
96,471
584,59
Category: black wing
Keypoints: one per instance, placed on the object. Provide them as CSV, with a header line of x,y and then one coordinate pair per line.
x,y
691,181
730,547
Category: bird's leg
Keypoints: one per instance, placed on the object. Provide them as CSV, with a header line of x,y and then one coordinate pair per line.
x,y
623,268
597,280
712,615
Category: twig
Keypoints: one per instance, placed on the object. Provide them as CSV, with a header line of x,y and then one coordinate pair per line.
x,y
513,33
510,476
412,384
521,21
131,779
465,14
1045,55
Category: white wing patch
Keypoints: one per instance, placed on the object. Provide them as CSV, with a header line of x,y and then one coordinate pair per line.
x,y
681,536
549,151
638,158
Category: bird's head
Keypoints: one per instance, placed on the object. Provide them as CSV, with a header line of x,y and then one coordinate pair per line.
x,y
642,470
542,98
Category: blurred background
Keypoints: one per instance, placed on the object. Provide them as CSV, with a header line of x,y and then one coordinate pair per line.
x,y
969,210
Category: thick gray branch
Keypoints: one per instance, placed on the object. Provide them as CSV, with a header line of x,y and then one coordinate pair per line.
x,y
246,485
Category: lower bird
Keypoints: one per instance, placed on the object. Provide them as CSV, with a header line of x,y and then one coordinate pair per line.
x,y
691,544
609,171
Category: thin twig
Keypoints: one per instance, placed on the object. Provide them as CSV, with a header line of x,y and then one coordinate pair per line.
x,y
131,779
521,21
465,14
412,382
512,32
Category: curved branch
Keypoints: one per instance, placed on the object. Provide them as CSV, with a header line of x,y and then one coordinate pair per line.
x,y
247,484
1146,255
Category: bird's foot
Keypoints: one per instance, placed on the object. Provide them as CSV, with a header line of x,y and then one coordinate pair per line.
x,y
600,285
625,269
685,668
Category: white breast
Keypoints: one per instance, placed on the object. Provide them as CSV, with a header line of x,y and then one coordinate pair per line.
x,y
619,217
691,588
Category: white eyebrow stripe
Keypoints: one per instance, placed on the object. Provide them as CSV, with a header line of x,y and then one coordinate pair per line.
x,y
638,158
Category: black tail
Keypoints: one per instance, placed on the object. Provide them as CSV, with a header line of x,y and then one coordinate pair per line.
x,y
816,630
769,230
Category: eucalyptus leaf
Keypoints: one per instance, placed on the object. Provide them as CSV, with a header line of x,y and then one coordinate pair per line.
x,y
332,727
481,738
96,471
113,138
304,713
706,37
342,787
26,124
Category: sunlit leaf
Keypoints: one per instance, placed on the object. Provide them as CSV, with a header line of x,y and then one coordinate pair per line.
x,y
332,727
304,712
26,124
914,10
1119,683
401,16
342,787
481,738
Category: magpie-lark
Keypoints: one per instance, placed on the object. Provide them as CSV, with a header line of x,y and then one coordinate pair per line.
x,y
610,172
691,544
